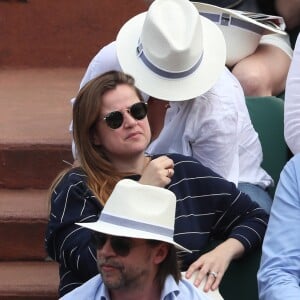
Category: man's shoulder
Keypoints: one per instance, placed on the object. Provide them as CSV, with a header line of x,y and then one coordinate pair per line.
x,y
182,291
189,283
295,160
105,60
88,290
292,168
188,291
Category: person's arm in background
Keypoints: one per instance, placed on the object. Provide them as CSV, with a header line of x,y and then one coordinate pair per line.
x,y
105,60
258,74
292,103
290,11
279,273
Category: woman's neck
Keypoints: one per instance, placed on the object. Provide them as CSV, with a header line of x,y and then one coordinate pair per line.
x,y
134,165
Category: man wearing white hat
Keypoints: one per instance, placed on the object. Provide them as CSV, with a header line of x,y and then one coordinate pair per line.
x,y
197,107
136,253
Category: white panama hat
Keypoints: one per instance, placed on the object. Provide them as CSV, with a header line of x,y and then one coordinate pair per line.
x,y
138,211
172,52
242,33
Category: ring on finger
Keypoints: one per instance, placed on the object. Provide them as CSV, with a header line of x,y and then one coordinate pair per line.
x,y
214,274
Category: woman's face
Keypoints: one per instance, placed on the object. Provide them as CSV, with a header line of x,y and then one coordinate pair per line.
x,y
132,137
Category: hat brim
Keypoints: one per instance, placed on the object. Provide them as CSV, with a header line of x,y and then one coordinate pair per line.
x,y
116,230
203,7
189,87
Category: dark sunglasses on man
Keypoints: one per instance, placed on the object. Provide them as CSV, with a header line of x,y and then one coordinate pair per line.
x,y
120,245
115,119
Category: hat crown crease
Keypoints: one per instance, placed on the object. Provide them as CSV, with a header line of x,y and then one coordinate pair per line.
x,y
140,212
172,44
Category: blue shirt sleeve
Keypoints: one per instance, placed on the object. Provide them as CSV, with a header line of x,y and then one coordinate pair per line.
x,y
279,273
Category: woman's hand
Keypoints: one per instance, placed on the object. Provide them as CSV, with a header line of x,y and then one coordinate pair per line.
x,y
213,264
158,172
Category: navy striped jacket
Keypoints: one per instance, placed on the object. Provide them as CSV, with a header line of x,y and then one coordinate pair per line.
x,y
208,207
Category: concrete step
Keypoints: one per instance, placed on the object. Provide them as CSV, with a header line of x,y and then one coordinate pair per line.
x,y
23,219
29,280
32,165
35,114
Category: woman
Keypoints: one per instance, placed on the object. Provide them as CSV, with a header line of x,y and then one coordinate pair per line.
x,y
111,132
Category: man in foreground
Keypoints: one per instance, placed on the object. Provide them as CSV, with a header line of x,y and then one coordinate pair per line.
x,y
136,253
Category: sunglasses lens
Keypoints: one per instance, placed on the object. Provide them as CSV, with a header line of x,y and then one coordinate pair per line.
x,y
114,120
121,246
99,240
139,110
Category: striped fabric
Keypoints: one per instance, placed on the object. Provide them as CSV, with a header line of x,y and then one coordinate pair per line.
x,y
208,207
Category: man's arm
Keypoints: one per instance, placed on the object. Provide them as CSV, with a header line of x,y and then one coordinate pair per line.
x,y
279,273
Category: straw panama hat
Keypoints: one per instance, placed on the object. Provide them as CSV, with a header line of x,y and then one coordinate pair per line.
x,y
138,211
242,34
172,52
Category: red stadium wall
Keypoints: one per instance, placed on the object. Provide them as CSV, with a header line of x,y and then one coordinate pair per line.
x,y
59,33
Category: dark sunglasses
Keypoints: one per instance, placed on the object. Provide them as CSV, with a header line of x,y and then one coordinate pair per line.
x,y
120,245
115,119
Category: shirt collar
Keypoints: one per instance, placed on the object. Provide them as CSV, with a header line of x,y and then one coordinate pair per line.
x,y
102,292
170,289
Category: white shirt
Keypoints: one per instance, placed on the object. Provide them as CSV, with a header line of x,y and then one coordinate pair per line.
x,y
292,102
216,129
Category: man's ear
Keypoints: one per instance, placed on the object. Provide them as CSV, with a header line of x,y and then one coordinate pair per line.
x,y
161,252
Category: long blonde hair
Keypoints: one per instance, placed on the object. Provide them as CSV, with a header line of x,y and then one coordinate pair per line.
x,y
102,175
